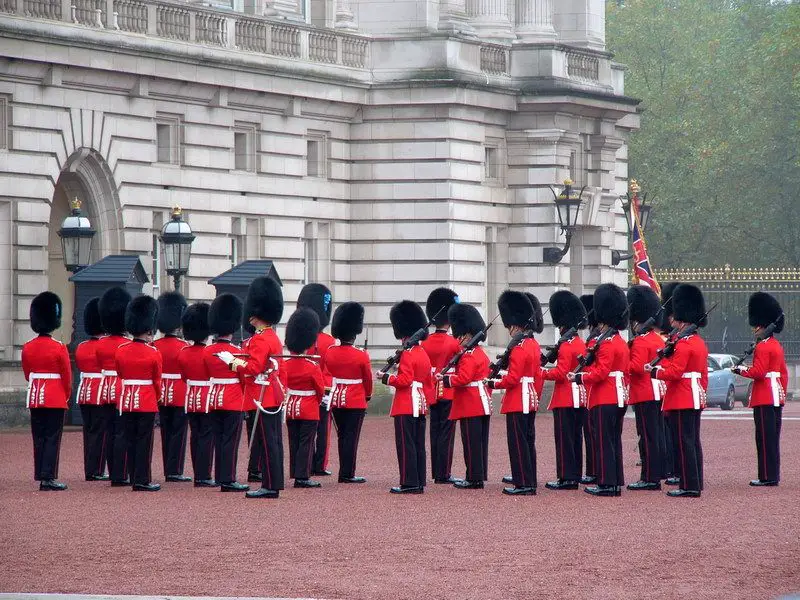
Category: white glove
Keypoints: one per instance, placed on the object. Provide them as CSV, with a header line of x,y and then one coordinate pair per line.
x,y
225,357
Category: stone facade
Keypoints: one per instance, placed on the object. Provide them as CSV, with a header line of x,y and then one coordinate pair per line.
x,y
384,146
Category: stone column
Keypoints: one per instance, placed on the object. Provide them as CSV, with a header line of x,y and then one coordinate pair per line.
x,y
490,18
534,20
344,16
453,17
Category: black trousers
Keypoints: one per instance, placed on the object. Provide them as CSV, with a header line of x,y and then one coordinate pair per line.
x,y
254,460
118,459
201,444
650,425
688,449
607,421
302,434
138,430
768,441
591,458
348,423
271,446
568,433
443,437
521,434
47,424
475,439
95,425
227,435
409,437
670,464
323,440
174,425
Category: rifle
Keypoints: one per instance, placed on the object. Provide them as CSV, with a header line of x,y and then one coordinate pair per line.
x,y
764,335
418,336
472,343
502,359
552,354
650,323
588,358
669,349
366,340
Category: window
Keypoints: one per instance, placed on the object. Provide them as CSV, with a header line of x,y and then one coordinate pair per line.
x,y
156,265
491,161
244,148
317,155
234,255
494,161
573,166
5,120
713,365
168,140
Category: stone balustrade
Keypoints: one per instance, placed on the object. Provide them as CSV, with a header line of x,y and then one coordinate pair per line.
x,y
583,66
494,59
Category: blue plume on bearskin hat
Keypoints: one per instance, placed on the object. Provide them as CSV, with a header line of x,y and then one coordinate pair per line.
x,y
91,318
611,306
538,316
763,310
688,305
112,310
45,313
318,298
348,321
302,330
407,318
225,314
515,308
588,305
644,303
439,302
465,320
566,309
194,322
264,300
171,306
141,315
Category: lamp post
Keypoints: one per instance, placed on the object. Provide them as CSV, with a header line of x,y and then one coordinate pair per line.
x,y
76,235
568,203
629,201
176,241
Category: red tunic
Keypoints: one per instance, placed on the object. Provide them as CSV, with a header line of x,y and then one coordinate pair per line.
x,y
106,353
226,387
686,374
607,376
643,349
45,362
441,347
306,387
520,380
268,389
566,394
351,376
89,366
321,346
769,374
411,383
535,350
191,361
139,368
470,396
173,388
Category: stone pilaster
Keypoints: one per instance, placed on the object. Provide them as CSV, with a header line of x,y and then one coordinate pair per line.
x,y
344,16
453,17
534,20
490,18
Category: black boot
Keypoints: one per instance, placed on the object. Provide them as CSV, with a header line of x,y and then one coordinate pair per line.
x,y
407,489
323,473
262,493
146,487
645,485
588,480
178,478
562,484
763,483
673,480
234,486
448,480
206,483
97,478
603,490
468,485
123,483
253,477
520,491
684,493
51,485
352,480
306,483
508,479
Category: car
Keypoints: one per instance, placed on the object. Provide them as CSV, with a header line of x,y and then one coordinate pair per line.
x,y
721,386
742,385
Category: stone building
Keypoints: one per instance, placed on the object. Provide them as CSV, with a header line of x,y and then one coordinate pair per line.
x,y
381,146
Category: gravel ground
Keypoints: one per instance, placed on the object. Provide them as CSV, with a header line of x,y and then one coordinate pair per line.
x,y
361,542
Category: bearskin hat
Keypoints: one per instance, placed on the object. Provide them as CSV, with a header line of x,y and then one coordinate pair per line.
x,y
465,320
407,318
538,316
611,306
588,305
171,306
644,303
666,297
763,310
348,321
141,315
91,318
112,310
318,298
194,322
264,300
302,330
566,310
225,314
688,305
439,301
515,308
45,313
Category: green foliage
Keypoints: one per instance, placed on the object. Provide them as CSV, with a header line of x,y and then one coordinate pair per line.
x,y
718,148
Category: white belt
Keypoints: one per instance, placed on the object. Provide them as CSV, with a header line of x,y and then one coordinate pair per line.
x,y
33,376
84,377
228,381
302,393
528,394
170,376
576,394
619,381
695,377
195,383
417,398
137,382
336,382
91,375
658,386
39,376
776,387
198,383
105,373
485,399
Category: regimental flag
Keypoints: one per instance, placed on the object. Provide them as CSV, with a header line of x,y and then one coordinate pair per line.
x,y
642,270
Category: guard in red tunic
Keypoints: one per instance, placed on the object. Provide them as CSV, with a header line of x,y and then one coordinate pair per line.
x,y
45,363
646,393
112,306
670,462
171,410
441,347
568,401
607,377
535,327
318,298
410,403
88,396
686,375
226,395
305,390
250,418
770,379
351,386
472,402
195,375
138,365
590,476
520,401
266,390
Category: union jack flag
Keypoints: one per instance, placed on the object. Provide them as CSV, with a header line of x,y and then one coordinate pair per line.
x,y
642,271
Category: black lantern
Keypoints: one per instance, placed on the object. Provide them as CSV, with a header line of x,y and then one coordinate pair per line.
x,y
176,241
644,218
76,235
568,204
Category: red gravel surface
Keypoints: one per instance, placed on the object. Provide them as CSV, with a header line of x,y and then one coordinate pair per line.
x,y
345,541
